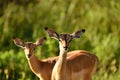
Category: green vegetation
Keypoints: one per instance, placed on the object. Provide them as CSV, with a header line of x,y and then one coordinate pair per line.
x,y
27,19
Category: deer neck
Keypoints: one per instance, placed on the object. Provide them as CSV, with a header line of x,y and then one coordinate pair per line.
x,y
62,58
61,63
62,55
34,64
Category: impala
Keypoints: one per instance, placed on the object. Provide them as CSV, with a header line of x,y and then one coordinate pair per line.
x,y
41,68
80,65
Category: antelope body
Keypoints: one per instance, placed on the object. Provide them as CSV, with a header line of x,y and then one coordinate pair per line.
x,y
80,65
41,68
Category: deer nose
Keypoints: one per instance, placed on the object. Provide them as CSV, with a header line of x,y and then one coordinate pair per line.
x,y
29,55
66,48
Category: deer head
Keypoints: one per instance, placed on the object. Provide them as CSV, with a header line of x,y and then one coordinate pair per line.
x,y
28,47
64,39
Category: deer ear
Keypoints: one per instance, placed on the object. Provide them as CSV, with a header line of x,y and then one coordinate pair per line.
x,y
18,42
52,33
78,33
40,41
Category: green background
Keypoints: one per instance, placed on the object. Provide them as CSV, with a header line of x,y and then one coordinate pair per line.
x,y
26,19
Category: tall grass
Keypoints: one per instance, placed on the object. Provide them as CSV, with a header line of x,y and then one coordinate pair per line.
x,y
27,21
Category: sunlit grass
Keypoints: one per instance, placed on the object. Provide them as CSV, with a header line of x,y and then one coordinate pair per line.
x,y
101,19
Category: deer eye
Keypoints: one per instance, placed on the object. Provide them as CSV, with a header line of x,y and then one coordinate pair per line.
x,y
60,40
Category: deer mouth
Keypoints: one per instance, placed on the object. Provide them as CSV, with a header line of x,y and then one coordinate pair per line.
x,y
29,55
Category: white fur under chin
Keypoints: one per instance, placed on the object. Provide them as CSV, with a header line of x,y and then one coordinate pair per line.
x,y
61,48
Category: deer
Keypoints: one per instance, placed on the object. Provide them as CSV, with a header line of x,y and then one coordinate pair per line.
x,y
80,65
41,68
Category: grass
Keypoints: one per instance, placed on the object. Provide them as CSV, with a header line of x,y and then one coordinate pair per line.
x,y
28,20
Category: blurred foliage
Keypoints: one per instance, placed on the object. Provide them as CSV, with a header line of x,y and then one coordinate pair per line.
x,y
26,19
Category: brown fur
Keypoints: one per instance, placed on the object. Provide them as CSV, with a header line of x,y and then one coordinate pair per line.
x,y
76,62
78,66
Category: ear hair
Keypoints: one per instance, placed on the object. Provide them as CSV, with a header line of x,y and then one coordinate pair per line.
x,y
52,33
40,41
78,33
18,42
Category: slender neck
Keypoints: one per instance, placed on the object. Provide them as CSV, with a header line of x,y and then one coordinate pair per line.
x,y
61,63
62,55
62,58
34,64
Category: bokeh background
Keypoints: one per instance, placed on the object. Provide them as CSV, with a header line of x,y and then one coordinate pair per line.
x,y
26,19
